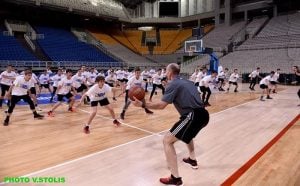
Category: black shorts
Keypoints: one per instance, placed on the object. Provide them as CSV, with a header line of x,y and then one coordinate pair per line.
x,y
197,84
81,88
44,85
190,124
234,83
125,80
221,80
273,82
4,88
121,80
102,102
263,86
60,97
33,90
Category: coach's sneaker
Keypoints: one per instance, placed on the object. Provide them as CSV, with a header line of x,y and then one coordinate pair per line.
x,y
6,121
268,97
116,123
193,163
86,129
171,180
148,111
38,116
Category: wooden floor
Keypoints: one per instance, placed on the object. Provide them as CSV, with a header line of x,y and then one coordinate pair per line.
x,y
132,154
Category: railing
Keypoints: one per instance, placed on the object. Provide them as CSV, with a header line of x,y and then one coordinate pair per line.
x,y
74,65
27,39
267,46
10,32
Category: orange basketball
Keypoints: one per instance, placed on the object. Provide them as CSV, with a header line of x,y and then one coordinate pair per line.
x,y
137,92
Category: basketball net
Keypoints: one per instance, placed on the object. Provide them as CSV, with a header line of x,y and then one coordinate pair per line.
x,y
190,52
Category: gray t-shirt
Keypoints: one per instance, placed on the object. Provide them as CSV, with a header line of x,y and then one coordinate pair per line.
x,y
183,94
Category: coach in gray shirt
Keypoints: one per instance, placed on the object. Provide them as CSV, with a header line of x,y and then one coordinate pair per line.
x,y
193,117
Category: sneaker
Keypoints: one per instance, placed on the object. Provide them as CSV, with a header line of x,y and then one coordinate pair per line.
x,y
171,180
6,122
114,99
268,97
148,111
262,98
116,122
38,116
50,114
70,109
193,163
86,129
122,115
235,91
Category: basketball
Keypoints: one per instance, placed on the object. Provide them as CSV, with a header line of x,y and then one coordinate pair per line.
x,y
137,92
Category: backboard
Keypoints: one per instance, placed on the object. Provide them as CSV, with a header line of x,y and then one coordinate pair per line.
x,y
193,46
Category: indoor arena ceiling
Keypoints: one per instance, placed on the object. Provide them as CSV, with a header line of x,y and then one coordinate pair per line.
x,y
133,3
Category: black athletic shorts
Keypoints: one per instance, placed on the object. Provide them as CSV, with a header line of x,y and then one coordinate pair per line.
x,y
44,85
60,97
190,124
234,83
4,88
81,88
102,102
263,86
273,82
33,90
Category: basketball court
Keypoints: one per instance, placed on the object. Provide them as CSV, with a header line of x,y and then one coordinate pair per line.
x,y
241,129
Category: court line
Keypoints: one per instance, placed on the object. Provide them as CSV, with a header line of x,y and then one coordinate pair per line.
x,y
128,125
112,148
84,157
238,173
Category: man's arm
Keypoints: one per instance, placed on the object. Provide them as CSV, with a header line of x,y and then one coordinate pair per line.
x,y
157,106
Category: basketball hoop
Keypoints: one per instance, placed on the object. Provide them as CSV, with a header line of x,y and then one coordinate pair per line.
x,y
190,52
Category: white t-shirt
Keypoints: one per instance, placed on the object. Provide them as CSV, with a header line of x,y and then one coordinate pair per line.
x,y
157,79
145,74
111,79
44,79
275,76
78,80
254,74
221,75
21,86
134,82
96,94
66,86
234,77
92,78
56,79
265,80
6,81
200,76
206,80
120,74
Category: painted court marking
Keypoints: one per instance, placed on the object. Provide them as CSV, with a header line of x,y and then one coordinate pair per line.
x,y
115,147
237,174
121,145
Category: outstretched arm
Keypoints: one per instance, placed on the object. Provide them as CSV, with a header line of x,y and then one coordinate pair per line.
x,y
157,106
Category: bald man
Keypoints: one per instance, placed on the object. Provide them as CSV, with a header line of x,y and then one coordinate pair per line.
x,y
193,117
